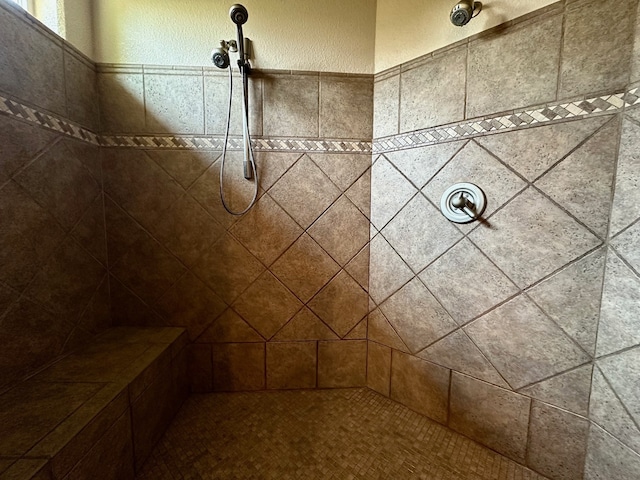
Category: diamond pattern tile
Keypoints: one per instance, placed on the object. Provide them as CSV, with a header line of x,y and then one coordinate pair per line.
x,y
606,409
531,237
627,244
305,268
420,164
462,294
388,272
267,305
475,165
360,193
390,191
619,325
229,328
623,373
266,230
457,352
341,304
342,169
569,390
417,316
305,325
582,183
381,331
572,298
532,151
358,268
272,165
420,233
342,230
304,191
626,208
122,230
184,166
228,268
523,344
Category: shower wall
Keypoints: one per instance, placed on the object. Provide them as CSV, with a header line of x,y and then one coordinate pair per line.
x,y
54,292
520,331
273,299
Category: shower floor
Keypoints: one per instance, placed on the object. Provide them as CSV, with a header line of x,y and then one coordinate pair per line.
x,y
317,434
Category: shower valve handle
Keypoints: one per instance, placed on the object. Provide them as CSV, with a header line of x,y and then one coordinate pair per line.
x,y
461,202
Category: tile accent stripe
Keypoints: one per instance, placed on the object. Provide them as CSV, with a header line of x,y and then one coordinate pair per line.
x,y
517,120
467,129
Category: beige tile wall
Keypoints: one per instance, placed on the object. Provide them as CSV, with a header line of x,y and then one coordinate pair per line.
x,y
520,331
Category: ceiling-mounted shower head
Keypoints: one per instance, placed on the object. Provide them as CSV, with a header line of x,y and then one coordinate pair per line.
x,y
238,14
464,11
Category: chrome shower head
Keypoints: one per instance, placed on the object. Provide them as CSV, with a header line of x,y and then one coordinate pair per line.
x,y
239,15
464,11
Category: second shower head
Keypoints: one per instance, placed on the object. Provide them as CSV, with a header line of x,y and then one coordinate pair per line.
x,y
464,11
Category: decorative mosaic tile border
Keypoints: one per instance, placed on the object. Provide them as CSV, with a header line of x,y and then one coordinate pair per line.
x,y
516,120
467,129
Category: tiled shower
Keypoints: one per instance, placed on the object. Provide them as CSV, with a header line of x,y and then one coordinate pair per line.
x,y
520,331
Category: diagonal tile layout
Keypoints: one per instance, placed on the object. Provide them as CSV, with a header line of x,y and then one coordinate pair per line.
x,y
626,208
390,191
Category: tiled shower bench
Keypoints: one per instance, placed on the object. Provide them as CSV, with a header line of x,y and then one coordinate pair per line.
x,y
97,412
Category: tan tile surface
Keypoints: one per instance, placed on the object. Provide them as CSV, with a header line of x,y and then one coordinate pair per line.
x,y
338,434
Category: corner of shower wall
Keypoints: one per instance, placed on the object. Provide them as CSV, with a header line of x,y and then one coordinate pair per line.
x,y
54,292
530,344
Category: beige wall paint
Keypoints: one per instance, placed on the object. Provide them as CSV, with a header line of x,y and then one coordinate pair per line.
x,y
327,35
78,25
411,28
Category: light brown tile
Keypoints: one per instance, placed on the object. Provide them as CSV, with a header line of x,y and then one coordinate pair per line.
x,y
501,65
238,366
346,107
342,364
216,104
530,238
360,193
490,415
121,102
358,268
342,169
90,231
173,103
124,171
200,367
387,271
305,325
291,365
381,331
128,310
457,352
184,166
267,305
608,458
557,442
572,298
189,303
272,165
461,294
291,105
229,328
60,183
523,344
33,68
386,106
532,151
187,230
305,268
342,230
430,94
228,268
81,91
417,316
390,191
568,390
420,385
597,47
341,304
266,230
420,233
621,370
379,368
304,192
148,269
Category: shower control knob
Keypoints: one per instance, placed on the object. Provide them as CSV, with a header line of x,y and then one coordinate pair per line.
x,y
463,203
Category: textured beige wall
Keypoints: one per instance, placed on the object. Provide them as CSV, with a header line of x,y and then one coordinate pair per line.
x,y
331,35
78,25
411,28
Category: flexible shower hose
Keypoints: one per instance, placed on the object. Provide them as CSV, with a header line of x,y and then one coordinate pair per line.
x,y
248,149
